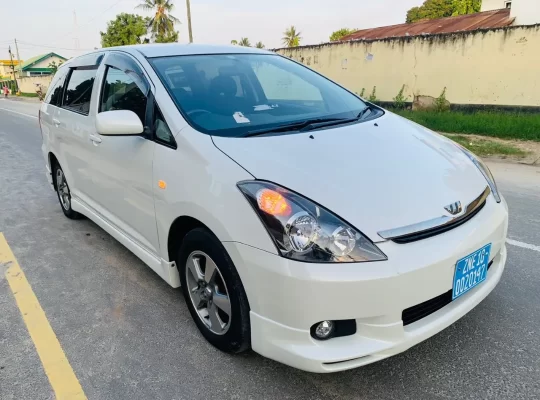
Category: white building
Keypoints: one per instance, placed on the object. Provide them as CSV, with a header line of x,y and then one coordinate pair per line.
x,y
488,5
525,12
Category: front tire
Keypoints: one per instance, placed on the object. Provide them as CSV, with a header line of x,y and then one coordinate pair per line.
x,y
214,292
64,194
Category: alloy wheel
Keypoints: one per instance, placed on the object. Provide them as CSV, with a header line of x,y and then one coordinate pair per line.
x,y
208,292
63,190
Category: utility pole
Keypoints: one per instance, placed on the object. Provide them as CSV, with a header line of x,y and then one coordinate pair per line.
x,y
189,21
18,57
13,68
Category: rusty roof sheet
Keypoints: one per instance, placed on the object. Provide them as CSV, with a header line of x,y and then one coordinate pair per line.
x,y
470,22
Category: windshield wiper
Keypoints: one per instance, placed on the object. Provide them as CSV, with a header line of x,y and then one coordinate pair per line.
x,y
316,125
310,124
298,125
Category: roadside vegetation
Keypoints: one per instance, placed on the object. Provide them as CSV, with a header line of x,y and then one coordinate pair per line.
x,y
487,147
504,125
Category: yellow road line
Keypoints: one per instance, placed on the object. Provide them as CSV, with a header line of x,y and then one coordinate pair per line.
x,y
61,376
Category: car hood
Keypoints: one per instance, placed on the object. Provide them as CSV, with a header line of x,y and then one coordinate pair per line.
x,y
376,175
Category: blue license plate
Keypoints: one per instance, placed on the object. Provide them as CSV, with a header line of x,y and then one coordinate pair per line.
x,y
471,271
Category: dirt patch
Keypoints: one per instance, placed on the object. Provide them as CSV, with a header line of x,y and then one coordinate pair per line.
x,y
531,148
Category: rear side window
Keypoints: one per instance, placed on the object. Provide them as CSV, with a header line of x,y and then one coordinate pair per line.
x,y
120,92
79,90
54,95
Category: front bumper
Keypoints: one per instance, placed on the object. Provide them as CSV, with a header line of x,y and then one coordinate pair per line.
x,y
287,297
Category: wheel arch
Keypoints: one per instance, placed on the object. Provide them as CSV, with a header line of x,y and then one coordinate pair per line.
x,y
178,231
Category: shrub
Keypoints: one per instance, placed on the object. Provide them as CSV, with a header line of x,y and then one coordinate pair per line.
x,y
441,103
400,101
373,96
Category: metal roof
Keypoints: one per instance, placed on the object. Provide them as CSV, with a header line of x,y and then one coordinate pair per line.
x,y
34,60
482,20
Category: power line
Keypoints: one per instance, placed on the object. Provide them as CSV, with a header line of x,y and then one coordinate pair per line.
x,y
99,15
91,19
49,47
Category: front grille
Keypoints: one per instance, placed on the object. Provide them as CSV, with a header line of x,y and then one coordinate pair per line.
x,y
422,310
414,237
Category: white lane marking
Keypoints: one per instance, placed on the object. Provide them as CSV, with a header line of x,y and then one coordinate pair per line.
x,y
20,113
523,245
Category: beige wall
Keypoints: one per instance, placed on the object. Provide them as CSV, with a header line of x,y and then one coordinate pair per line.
x,y
498,67
28,84
5,70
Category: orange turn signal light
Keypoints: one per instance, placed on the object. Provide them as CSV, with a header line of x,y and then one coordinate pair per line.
x,y
272,202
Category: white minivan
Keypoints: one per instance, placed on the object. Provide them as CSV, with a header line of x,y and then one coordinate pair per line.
x,y
299,220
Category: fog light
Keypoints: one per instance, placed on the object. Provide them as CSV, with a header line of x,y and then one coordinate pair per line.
x,y
324,330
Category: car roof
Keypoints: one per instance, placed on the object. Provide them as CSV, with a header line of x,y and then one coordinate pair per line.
x,y
168,49
176,49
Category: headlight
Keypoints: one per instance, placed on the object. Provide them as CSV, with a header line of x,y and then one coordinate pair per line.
x,y
305,231
485,171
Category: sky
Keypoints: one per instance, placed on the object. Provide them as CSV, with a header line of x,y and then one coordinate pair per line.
x,y
44,26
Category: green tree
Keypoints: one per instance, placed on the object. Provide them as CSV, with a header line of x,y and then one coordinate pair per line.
x,y
463,7
162,23
291,37
337,35
234,42
168,38
244,42
260,45
52,65
413,15
125,29
433,9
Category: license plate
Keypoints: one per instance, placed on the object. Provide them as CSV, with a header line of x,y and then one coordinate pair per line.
x,y
471,271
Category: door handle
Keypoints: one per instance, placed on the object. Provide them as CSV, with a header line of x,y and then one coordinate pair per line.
x,y
95,139
56,122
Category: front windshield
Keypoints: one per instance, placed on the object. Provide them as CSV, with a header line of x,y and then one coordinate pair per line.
x,y
234,94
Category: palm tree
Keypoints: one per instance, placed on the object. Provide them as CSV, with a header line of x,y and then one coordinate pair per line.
x,y
162,24
234,42
244,42
259,45
292,37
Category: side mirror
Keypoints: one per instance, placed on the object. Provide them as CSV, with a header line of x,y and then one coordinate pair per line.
x,y
118,123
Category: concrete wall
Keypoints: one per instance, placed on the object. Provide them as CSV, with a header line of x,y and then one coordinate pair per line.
x,y
495,67
488,5
27,84
526,12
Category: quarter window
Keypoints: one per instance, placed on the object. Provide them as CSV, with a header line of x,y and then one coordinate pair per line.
x,y
163,133
54,96
120,92
79,90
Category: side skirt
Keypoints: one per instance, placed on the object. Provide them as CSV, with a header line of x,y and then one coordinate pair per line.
x,y
165,269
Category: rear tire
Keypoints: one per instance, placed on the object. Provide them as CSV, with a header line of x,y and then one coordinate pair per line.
x,y
214,292
63,192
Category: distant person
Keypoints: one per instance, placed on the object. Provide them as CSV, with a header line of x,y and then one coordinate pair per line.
x,y
6,91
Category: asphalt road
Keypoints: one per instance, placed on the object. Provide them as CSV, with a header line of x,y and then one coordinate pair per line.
x,y
128,335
